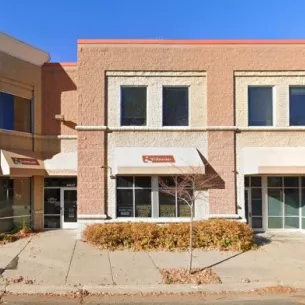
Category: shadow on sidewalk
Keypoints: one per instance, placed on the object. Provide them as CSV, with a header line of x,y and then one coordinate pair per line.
x,y
259,240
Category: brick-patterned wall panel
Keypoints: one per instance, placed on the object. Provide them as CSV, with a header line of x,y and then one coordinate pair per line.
x,y
222,161
91,177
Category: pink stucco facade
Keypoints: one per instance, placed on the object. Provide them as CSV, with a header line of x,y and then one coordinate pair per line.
x,y
84,96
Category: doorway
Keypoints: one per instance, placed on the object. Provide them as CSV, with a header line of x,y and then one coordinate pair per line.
x,y
68,206
60,203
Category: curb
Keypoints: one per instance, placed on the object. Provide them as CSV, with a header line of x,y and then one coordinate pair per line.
x,y
142,289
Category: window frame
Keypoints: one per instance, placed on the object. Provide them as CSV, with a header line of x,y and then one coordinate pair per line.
x,y
187,87
176,198
289,106
134,188
272,104
155,203
121,104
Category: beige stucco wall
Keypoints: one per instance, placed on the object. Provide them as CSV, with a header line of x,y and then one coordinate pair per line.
x,y
280,81
25,74
261,139
154,83
154,139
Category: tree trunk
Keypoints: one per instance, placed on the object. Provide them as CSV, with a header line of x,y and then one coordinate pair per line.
x,y
191,243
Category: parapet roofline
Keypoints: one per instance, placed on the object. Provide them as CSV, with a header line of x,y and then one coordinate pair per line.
x,y
22,50
193,41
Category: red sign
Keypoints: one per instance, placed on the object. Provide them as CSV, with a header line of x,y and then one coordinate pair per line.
x,y
25,161
158,159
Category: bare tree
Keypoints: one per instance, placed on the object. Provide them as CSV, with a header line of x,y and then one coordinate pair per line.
x,y
188,187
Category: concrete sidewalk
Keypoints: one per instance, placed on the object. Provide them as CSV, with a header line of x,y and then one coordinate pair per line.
x,y
57,259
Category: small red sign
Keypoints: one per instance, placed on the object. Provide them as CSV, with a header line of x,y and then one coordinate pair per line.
x,y
158,159
25,161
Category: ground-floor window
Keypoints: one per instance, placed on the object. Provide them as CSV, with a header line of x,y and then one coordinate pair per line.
x,y
15,203
145,196
284,202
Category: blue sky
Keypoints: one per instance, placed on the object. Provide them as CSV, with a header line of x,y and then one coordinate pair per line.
x,y
55,25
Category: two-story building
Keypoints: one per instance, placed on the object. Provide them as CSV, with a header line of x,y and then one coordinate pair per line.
x,y
88,142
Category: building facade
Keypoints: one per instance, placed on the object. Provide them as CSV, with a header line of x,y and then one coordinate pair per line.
x,y
89,142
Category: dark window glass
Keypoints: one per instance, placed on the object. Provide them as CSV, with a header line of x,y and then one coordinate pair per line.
x,y
60,182
15,200
167,205
291,181
274,181
303,181
51,201
15,113
123,181
144,182
247,181
256,193
133,106
257,207
260,106
70,206
184,208
134,199
297,106
124,203
175,106
52,222
143,203
257,222
256,181
292,202
275,202
167,181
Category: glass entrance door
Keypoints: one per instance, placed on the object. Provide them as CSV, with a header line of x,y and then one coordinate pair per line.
x,y
68,208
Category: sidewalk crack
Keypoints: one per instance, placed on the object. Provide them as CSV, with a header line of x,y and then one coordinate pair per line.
x,y
66,278
112,278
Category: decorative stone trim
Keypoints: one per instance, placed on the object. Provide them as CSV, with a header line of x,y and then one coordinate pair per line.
x,y
185,129
269,73
271,128
56,137
90,128
156,74
91,216
224,216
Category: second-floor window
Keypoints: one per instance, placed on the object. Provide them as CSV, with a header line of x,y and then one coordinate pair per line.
x,y
133,106
175,106
15,113
260,106
297,106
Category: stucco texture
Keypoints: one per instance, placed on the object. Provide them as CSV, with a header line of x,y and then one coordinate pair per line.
x,y
25,74
154,84
219,62
59,92
261,139
152,139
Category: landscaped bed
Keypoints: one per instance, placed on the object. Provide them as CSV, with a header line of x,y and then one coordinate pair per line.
x,y
196,276
208,234
13,236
